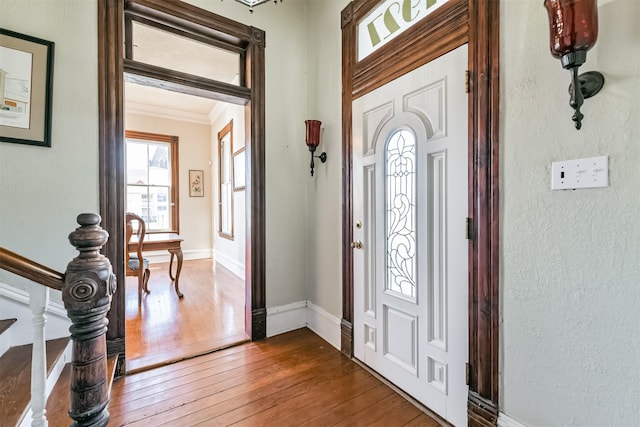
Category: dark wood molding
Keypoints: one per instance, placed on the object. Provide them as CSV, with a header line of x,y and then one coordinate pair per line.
x,y
258,37
481,412
117,347
259,323
193,20
459,21
348,63
442,31
484,204
142,19
255,191
176,81
111,157
346,337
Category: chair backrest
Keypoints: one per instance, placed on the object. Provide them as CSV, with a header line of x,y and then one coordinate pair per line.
x,y
138,229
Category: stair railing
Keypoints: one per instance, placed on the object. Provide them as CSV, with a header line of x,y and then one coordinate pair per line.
x,y
87,287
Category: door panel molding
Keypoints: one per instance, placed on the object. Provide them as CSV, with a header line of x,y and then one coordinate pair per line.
x,y
188,18
475,22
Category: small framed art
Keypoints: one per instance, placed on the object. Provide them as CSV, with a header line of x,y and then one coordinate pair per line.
x,y
26,80
196,183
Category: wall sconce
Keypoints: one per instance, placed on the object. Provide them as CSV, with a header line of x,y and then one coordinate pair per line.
x,y
574,30
313,140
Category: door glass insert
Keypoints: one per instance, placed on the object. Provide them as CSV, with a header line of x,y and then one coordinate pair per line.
x,y
400,204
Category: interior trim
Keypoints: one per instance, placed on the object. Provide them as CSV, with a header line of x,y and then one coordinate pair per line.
x,y
192,19
475,22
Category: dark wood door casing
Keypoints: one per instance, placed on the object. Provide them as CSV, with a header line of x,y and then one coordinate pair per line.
x,y
112,67
457,22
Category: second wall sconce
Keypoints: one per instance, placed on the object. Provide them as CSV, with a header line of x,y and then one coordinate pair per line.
x,y
313,140
574,30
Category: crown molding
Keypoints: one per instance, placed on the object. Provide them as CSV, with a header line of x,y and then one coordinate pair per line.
x,y
165,113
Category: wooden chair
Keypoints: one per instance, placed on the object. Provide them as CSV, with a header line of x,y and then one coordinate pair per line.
x,y
132,266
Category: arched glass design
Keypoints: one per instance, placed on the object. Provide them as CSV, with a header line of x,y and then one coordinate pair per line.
x,y
400,204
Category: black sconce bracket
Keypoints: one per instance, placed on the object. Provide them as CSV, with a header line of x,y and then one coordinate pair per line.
x,y
582,86
322,157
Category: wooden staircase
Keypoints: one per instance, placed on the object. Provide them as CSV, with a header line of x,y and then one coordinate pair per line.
x,y
15,381
15,376
33,377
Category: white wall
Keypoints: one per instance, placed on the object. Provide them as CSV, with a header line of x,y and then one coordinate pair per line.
x,y
570,330
569,260
42,190
286,167
325,187
194,152
230,253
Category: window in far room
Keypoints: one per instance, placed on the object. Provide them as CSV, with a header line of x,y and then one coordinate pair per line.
x,y
152,179
225,182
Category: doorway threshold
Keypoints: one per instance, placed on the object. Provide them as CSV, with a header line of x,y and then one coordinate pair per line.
x,y
190,351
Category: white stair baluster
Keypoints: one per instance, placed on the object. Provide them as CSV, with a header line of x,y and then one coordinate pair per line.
x,y
38,303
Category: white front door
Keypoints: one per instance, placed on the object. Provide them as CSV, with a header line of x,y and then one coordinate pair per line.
x,y
410,250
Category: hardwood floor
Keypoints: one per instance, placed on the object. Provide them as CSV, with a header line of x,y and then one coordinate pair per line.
x,y
293,379
166,328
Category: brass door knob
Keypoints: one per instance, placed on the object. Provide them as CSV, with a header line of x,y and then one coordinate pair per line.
x,y
357,244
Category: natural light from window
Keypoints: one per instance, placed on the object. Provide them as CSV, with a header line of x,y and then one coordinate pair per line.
x,y
149,179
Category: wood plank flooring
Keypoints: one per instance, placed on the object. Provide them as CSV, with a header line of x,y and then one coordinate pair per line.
x,y
293,379
166,328
15,375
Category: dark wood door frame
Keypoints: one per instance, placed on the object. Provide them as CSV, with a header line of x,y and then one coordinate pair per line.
x,y
475,22
111,69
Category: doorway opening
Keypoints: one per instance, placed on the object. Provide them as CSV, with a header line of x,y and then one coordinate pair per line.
x,y
453,24
177,180
117,60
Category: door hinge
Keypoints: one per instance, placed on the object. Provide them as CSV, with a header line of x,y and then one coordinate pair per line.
x,y
468,229
466,81
467,374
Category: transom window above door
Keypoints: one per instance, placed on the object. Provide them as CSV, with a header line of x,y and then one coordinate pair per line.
x,y
152,179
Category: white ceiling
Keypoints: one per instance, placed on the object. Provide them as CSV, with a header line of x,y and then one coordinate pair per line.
x,y
159,102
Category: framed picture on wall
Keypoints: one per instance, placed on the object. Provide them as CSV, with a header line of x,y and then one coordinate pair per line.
x,y
26,80
238,170
196,183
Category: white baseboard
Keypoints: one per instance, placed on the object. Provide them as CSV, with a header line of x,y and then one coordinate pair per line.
x,y
323,323
233,265
505,420
14,303
299,314
285,318
164,256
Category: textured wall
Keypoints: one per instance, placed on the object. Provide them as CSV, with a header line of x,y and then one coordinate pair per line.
x,y
324,74
570,270
286,104
42,190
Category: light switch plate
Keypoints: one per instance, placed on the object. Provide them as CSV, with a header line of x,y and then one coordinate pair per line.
x,y
592,172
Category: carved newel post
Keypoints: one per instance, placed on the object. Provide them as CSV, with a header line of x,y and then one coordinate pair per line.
x,y
87,290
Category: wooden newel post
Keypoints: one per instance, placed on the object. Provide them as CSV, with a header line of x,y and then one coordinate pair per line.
x,y
87,290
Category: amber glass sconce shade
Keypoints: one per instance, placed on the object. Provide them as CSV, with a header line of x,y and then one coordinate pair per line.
x,y
313,140
573,26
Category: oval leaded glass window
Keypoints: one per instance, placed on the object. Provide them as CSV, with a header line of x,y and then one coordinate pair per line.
x,y
400,204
